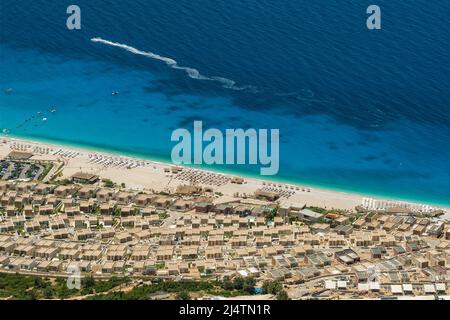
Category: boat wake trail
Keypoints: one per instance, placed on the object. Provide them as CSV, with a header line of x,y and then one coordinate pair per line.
x,y
191,72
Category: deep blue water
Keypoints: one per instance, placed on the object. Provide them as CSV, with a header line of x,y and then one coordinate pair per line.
x,y
358,110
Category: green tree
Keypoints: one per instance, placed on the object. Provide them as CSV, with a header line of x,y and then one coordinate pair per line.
x,y
272,287
48,293
238,283
108,183
227,284
89,282
33,295
249,284
271,214
282,295
183,295
38,282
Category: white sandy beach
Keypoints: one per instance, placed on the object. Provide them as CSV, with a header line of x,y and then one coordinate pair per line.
x,y
151,175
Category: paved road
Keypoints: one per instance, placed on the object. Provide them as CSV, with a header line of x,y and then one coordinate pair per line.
x,y
39,172
95,275
8,172
55,169
297,291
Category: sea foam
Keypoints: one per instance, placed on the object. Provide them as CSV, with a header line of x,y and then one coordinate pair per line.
x,y
191,72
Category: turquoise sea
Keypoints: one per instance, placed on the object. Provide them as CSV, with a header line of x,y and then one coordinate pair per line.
x,y
358,110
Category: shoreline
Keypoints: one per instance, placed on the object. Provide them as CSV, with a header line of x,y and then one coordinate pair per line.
x,y
320,196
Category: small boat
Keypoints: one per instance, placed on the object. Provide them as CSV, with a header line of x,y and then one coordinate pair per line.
x,y
53,110
44,119
8,91
114,93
